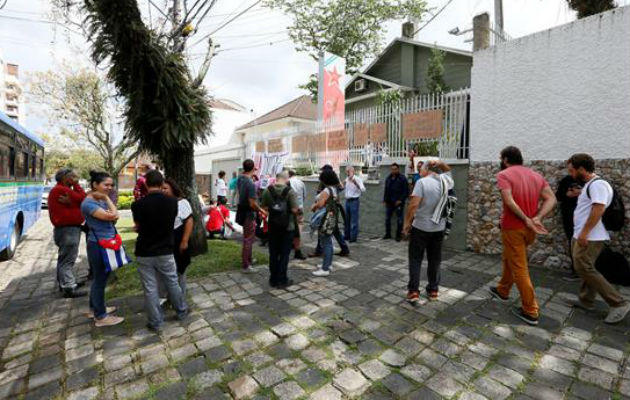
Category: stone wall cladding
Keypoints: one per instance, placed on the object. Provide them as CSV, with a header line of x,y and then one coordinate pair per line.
x,y
551,251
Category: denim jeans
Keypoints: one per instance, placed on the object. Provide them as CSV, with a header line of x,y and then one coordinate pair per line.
x,y
67,238
99,275
352,219
419,242
390,210
340,239
279,251
152,269
181,279
327,249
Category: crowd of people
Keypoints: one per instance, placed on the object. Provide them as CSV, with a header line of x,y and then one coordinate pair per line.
x,y
163,220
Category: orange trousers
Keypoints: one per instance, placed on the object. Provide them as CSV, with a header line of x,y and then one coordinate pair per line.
x,y
515,268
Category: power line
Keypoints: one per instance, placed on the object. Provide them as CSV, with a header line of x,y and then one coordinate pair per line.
x,y
226,23
40,21
4,4
433,17
254,45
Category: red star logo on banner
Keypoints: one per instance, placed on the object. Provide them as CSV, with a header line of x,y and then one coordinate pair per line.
x,y
334,77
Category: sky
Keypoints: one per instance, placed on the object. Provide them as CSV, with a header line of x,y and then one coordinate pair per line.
x,y
257,65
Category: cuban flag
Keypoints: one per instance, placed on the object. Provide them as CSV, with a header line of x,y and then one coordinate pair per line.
x,y
113,253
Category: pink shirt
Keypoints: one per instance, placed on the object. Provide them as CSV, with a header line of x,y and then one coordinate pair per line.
x,y
526,186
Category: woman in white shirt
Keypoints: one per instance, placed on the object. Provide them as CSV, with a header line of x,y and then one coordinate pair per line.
x,y
182,230
222,188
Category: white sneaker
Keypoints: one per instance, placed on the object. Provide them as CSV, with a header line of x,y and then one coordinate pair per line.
x,y
617,314
319,266
321,272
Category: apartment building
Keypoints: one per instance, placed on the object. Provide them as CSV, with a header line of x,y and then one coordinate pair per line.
x,y
11,98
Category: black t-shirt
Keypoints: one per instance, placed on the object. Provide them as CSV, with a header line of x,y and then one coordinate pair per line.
x,y
155,215
246,191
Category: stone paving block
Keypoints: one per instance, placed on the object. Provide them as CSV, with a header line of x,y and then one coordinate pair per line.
x,y
132,389
291,365
183,352
13,374
393,358
120,376
218,354
431,359
243,387
45,377
506,376
327,392
601,363
47,391
158,361
117,362
424,393
474,360
297,342
605,351
588,392
416,372
314,354
351,382
596,377
288,391
443,384
409,346
173,391
79,352
265,338
207,379
192,367
83,363
269,376
567,353
208,343
552,379
446,347
82,378
303,322
284,329
624,387
90,393
311,378
397,385
557,364
492,389
538,391
374,369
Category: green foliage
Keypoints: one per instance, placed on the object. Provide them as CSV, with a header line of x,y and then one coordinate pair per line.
x,y
124,202
435,73
128,193
82,161
388,97
223,256
427,149
352,29
163,112
303,170
586,8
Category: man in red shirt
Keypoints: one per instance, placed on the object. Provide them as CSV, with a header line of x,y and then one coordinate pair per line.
x,y
64,209
521,191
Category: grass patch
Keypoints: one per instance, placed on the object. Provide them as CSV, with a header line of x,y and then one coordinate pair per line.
x,y
222,256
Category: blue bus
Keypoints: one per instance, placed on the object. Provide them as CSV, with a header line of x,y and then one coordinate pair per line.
x,y
21,183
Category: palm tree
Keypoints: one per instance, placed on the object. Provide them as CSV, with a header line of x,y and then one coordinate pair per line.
x,y
585,8
165,113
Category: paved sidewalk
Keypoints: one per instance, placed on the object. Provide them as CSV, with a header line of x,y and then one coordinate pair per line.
x,y
347,336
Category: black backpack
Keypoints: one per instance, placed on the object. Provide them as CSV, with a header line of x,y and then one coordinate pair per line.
x,y
614,217
279,214
613,266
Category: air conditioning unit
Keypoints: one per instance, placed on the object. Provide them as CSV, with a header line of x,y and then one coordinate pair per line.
x,y
360,85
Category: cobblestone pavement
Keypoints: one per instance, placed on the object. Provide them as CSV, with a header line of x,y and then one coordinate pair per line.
x,y
348,336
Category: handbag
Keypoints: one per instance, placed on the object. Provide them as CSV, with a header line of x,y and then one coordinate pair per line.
x,y
112,252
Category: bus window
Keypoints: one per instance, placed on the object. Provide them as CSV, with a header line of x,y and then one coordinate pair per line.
x,y
33,173
21,166
41,170
11,162
4,161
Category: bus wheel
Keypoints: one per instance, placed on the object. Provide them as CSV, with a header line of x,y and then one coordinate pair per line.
x,y
9,252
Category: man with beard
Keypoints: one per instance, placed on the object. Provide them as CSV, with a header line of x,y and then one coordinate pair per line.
x,y
590,237
521,190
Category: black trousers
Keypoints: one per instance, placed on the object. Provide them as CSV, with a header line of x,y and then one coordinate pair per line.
x,y
419,242
279,250
389,212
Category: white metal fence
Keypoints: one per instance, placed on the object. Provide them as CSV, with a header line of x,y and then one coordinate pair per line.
x,y
452,143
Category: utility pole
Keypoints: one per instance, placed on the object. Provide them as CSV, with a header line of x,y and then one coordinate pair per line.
x,y
498,16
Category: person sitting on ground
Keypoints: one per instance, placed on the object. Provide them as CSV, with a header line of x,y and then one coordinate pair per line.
x,y
100,214
219,219
154,218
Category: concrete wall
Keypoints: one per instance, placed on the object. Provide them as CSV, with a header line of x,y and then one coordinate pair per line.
x,y
372,212
555,93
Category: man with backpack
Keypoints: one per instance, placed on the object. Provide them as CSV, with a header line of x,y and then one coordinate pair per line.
x,y
280,201
599,209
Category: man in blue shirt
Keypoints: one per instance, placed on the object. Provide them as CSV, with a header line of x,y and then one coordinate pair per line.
x,y
396,192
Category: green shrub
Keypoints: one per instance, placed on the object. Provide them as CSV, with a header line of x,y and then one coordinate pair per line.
x,y
125,193
124,202
303,170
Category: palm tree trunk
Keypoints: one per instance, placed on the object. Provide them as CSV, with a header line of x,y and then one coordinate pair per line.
x,y
180,166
